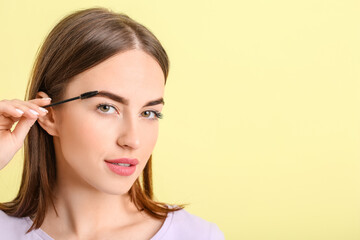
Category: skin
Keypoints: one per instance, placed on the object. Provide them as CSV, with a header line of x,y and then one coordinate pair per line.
x,y
92,201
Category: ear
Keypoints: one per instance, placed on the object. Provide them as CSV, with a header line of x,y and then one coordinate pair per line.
x,y
47,122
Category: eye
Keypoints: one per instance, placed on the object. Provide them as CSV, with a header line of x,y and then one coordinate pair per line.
x,y
106,108
153,115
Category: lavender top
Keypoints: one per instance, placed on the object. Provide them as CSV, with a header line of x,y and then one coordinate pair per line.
x,y
178,225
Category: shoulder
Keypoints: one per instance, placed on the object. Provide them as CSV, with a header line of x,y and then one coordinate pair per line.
x,y
184,225
15,228
12,227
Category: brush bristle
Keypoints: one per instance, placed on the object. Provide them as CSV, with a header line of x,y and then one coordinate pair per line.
x,y
88,94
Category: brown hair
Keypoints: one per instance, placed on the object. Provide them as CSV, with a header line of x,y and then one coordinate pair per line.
x,y
78,42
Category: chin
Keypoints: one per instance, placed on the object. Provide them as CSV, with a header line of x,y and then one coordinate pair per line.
x,y
115,189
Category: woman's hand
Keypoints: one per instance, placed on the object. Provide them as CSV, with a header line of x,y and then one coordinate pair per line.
x,y
23,112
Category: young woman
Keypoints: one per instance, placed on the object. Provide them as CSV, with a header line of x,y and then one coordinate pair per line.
x,y
87,169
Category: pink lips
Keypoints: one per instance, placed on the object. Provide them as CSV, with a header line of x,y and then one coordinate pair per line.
x,y
128,168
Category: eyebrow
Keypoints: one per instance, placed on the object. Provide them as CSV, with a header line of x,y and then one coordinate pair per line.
x,y
125,101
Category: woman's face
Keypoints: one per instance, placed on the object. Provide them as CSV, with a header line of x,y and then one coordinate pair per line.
x,y
95,131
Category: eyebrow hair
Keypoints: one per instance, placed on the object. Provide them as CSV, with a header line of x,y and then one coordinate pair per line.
x,y
125,101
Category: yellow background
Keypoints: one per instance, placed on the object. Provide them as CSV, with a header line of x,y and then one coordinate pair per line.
x,y
262,120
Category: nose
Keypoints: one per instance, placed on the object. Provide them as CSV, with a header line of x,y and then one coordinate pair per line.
x,y
129,134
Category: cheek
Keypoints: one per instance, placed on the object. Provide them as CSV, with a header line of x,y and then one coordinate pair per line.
x,y
81,138
148,136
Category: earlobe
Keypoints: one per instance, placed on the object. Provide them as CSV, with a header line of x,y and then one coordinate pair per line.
x,y
47,122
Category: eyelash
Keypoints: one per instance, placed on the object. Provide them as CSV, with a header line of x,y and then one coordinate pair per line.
x,y
158,115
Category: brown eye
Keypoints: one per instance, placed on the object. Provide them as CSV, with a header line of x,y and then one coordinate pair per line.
x,y
105,108
152,115
146,114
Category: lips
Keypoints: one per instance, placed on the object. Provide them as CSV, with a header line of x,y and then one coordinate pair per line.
x,y
131,161
122,166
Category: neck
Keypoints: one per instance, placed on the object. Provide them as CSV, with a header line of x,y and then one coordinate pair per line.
x,y
83,210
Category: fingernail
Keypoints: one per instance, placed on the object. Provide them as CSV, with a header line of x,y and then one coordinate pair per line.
x,y
34,112
46,99
19,111
43,109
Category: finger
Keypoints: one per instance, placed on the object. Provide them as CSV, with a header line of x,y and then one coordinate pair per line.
x,y
40,101
28,106
12,109
8,109
22,129
6,123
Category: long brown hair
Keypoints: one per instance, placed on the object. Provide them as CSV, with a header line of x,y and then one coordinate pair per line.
x,y
78,42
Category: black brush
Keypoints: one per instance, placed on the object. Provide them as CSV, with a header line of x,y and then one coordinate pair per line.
x,y
82,96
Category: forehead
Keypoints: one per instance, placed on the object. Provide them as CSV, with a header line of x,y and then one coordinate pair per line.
x,y
132,74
